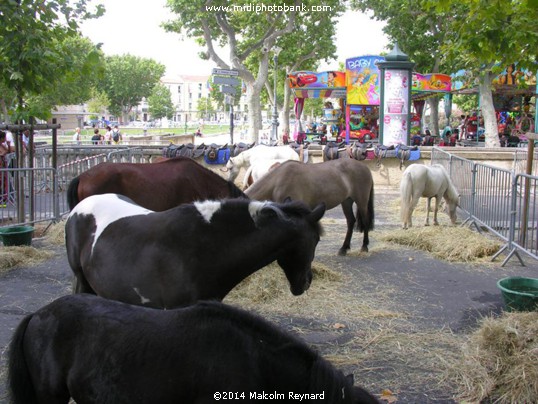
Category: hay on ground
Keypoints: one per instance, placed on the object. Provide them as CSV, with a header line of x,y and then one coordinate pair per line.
x,y
500,360
21,255
451,243
267,291
55,234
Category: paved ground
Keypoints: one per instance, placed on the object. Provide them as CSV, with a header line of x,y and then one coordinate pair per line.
x,y
436,297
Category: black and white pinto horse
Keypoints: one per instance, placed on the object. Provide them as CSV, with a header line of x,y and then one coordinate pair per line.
x,y
192,252
99,351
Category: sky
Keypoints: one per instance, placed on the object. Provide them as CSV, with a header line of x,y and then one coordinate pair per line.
x,y
133,27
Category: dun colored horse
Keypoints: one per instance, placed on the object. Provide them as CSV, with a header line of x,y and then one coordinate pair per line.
x,y
334,182
430,182
122,251
98,351
158,187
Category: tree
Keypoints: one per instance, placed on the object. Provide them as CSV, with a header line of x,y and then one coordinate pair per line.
x,y
486,37
419,32
319,34
205,107
249,29
98,103
478,36
128,79
86,69
160,102
32,58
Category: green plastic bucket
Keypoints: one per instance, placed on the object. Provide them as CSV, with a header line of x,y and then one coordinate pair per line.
x,y
17,235
519,293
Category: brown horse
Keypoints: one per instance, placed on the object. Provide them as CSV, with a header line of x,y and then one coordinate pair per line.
x,y
334,182
158,187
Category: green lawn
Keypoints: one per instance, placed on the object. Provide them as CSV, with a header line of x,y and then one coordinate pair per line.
x,y
87,134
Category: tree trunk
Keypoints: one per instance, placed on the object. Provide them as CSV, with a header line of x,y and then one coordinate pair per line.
x,y
254,112
285,112
488,111
434,115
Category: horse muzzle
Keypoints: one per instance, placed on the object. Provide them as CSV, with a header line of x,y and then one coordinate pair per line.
x,y
297,291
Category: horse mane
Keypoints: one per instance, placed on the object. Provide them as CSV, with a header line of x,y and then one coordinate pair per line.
x,y
326,378
298,208
235,192
451,193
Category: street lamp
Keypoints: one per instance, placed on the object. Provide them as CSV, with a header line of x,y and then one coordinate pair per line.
x,y
274,134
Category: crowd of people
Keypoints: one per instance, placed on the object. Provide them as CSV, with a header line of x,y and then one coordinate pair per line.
x,y
111,136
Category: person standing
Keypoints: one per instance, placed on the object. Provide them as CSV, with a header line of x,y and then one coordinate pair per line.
x,y
108,135
116,135
77,136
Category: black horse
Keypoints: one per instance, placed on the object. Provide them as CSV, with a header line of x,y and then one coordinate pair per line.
x,y
192,252
104,352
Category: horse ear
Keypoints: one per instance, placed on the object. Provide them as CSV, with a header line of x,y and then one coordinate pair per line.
x,y
287,199
350,378
317,213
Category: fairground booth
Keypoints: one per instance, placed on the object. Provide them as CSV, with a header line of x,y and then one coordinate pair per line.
x,y
358,95
514,99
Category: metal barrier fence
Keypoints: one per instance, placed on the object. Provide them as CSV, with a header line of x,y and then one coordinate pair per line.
x,y
502,201
38,194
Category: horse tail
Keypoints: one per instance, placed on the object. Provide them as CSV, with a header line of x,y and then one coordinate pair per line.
x,y
20,384
406,193
367,223
72,193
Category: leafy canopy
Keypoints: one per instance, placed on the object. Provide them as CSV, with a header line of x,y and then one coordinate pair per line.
x,y
33,39
128,79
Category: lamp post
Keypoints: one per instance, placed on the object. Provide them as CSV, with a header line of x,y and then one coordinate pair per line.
x,y
274,134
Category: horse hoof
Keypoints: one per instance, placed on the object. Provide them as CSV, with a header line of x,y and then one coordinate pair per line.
x,y
364,249
342,252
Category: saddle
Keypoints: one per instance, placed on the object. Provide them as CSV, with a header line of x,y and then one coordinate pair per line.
x,y
301,150
185,150
215,154
330,152
404,153
240,147
357,151
381,151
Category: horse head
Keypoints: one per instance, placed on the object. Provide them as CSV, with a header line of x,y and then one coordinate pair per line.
x,y
296,259
233,165
452,199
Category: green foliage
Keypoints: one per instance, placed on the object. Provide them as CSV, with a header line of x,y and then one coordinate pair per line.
x,y
98,103
251,30
128,79
160,102
34,39
216,95
205,107
466,102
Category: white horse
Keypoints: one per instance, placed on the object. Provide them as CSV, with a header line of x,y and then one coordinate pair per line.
x,y
260,152
427,181
258,169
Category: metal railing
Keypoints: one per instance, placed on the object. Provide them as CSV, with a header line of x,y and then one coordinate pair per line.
x,y
502,201
38,194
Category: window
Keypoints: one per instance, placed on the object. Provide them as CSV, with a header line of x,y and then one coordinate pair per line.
x,y
179,89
